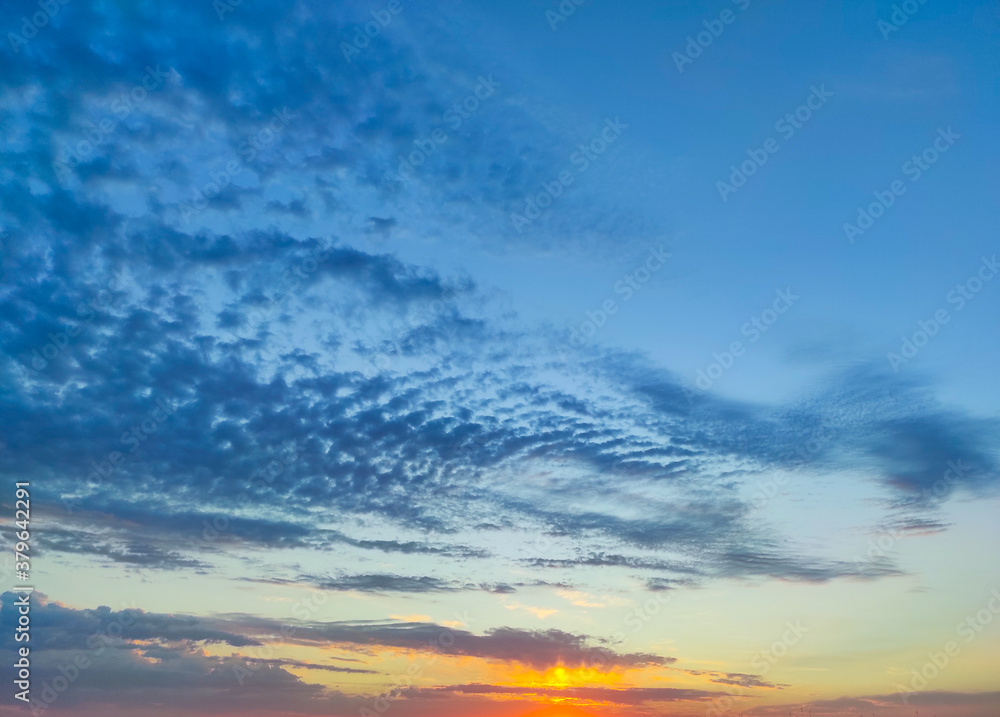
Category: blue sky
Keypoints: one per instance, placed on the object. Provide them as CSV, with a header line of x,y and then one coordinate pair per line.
x,y
246,364
890,96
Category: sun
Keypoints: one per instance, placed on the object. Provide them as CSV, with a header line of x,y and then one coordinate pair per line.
x,y
561,676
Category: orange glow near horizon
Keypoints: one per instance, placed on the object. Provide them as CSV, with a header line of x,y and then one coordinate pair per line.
x,y
561,711
561,676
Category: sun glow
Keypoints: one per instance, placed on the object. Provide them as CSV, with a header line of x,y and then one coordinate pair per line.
x,y
562,676
561,711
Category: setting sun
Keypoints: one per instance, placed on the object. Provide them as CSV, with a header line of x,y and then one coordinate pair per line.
x,y
562,676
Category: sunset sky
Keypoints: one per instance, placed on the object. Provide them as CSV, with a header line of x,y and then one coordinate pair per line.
x,y
502,359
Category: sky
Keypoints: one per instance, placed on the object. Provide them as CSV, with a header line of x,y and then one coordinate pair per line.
x,y
501,359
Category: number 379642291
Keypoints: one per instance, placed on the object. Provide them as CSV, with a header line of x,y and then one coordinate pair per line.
x,y
22,519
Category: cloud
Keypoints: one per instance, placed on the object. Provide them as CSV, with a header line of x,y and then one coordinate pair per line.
x,y
194,289
398,445
128,550
63,628
630,696
538,649
737,678
68,628
147,539
261,333
119,652
387,583
282,662
953,702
